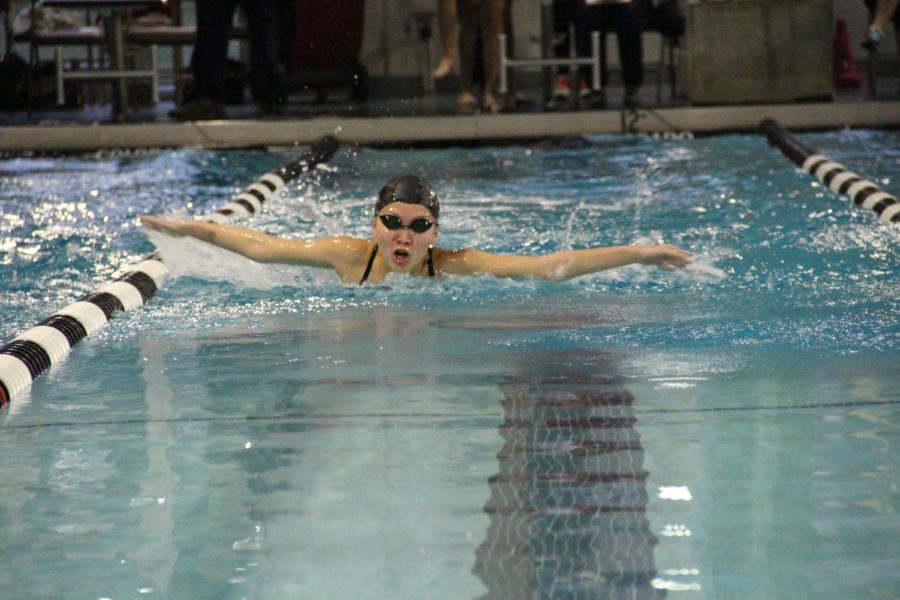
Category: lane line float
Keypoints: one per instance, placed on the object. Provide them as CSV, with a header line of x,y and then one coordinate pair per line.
x,y
47,343
835,176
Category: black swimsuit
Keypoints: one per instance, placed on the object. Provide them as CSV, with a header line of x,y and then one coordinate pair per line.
x,y
372,261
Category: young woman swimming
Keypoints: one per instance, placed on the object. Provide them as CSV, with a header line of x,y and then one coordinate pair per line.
x,y
404,232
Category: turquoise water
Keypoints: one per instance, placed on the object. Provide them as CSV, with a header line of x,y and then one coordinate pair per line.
x,y
728,431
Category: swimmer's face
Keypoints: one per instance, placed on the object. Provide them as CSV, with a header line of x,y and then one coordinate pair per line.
x,y
403,249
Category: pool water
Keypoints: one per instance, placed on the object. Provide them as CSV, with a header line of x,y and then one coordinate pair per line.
x,y
727,431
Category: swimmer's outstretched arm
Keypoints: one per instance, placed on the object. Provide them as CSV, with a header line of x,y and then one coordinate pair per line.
x,y
339,253
560,266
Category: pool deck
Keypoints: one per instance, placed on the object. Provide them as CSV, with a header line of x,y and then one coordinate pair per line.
x,y
417,122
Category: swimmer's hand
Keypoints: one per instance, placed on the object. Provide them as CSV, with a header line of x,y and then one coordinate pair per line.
x,y
172,226
666,257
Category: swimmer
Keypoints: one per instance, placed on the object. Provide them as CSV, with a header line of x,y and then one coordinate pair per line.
x,y
404,233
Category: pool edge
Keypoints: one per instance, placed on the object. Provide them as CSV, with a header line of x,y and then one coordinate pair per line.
x,y
442,129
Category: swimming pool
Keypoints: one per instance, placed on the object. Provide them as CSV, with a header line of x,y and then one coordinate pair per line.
x,y
728,431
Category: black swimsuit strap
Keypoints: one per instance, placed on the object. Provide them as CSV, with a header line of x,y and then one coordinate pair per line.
x,y
372,261
369,265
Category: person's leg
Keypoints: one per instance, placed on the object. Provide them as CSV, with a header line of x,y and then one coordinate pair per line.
x,y
563,18
468,34
629,23
882,12
492,26
266,77
513,98
896,20
211,48
590,19
206,95
448,24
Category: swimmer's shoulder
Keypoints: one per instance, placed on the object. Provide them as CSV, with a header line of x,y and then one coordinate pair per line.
x,y
462,261
338,251
349,255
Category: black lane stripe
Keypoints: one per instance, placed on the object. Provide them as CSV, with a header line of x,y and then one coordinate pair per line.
x,y
37,359
258,195
801,155
246,204
830,175
109,304
883,204
143,282
864,193
845,187
812,168
68,326
31,353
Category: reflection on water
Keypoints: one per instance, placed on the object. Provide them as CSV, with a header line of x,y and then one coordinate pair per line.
x,y
567,508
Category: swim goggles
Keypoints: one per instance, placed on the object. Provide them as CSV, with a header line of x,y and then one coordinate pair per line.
x,y
418,225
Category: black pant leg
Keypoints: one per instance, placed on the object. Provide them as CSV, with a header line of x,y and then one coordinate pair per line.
x,y
266,78
210,54
629,20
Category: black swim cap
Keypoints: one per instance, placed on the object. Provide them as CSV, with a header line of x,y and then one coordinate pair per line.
x,y
411,190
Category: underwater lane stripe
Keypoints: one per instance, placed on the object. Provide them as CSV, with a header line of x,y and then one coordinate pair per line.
x,y
50,341
834,175
493,417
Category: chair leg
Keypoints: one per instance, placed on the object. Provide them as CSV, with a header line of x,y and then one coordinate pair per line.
x,y
870,74
660,70
29,82
673,72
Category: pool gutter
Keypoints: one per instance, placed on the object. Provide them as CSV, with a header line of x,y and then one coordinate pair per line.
x,y
424,130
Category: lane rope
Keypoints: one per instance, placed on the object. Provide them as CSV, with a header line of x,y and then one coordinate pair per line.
x,y
836,177
49,342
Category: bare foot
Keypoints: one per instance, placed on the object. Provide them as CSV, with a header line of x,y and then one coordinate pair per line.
x,y
444,68
490,104
466,102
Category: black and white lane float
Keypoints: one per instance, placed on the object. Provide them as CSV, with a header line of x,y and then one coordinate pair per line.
x,y
46,344
834,175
